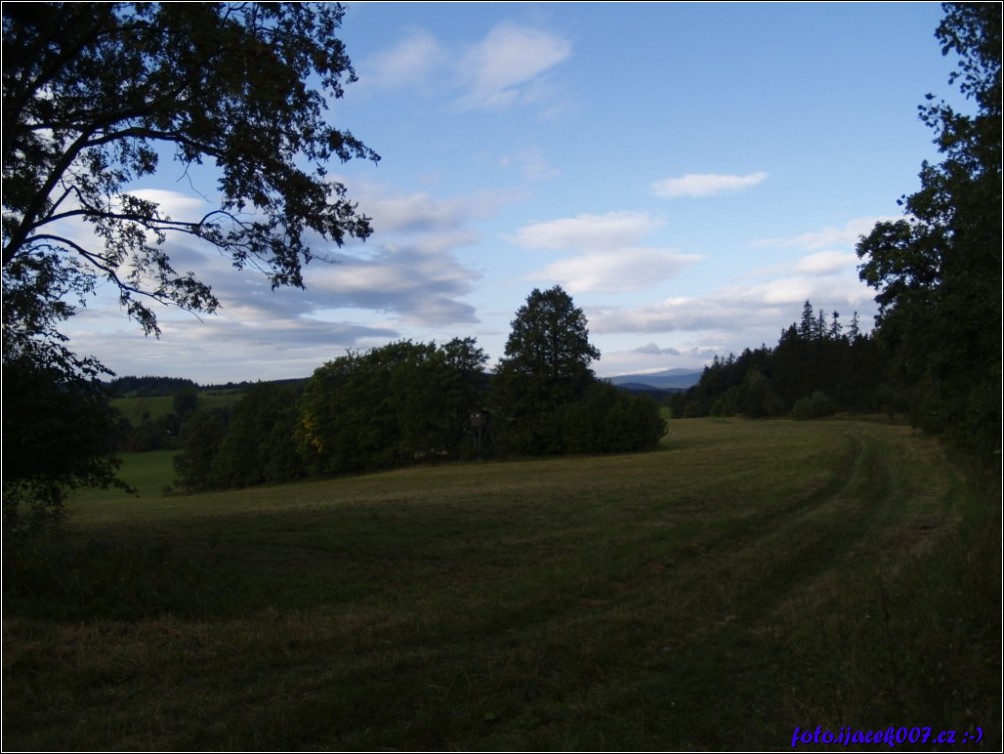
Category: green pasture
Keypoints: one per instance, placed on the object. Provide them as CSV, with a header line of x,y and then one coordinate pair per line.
x,y
745,579
134,408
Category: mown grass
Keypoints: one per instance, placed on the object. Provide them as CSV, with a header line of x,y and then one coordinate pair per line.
x,y
747,578
135,408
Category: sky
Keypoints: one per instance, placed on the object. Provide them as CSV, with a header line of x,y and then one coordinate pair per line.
x,y
689,173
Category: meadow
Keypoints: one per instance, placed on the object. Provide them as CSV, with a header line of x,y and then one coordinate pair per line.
x,y
134,408
745,579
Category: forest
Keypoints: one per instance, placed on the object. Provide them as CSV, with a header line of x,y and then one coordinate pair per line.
x,y
816,369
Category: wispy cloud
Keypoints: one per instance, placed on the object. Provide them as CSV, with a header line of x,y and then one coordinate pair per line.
x,y
617,270
409,268
419,284
173,204
420,212
741,311
652,349
506,67
611,258
826,263
407,275
705,184
587,231
845,235
412,61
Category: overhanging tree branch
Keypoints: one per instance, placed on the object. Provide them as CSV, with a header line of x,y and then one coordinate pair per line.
x,y
91,89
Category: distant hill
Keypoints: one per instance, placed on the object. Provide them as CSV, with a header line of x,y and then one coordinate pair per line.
x,y
151,387
147,387
669,379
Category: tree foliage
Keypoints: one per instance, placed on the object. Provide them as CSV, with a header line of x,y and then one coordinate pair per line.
x,y
400,404
812,361
547,396
546,366
938,270
96,93
394,405
202,436
58,433
606,419
260,446
549,343
95,97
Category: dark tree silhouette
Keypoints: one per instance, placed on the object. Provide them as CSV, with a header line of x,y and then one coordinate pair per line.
x,y
94,95
938,270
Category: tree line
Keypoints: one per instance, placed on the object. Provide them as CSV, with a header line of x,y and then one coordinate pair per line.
x,y
408,402
816,369
938,269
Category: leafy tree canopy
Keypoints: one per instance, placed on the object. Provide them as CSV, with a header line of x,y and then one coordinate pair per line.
x,y
549,343
937,271
545,367
390,406
95,93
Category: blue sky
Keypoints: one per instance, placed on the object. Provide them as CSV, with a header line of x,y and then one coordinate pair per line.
x,y
689,173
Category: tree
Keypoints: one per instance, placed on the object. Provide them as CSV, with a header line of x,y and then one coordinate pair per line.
x,y
185,401
606,419
260,441
58,433
392,405
938,269
95,95
92,91
202,436
549,344
546,366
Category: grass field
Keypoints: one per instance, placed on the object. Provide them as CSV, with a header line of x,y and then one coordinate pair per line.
x,y
747,578
134,408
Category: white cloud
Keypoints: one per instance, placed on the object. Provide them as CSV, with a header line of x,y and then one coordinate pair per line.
x,y
510,66
411,213
420,212
611,260
750,314
504,67
420,285
173,204
618,270
218,349
411,62
705,184
825,263
408,275
830,236
409,268
587,231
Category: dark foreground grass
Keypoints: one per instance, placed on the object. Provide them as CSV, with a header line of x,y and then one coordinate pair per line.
x,y
746,579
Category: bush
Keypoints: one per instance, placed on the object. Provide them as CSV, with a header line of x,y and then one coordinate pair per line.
x,y
608,420
814,406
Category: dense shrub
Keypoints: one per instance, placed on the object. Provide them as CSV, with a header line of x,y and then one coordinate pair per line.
x,y
202,437
814,406
260,442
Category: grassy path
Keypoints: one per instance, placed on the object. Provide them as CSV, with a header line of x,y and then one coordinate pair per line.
x,y
748,578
